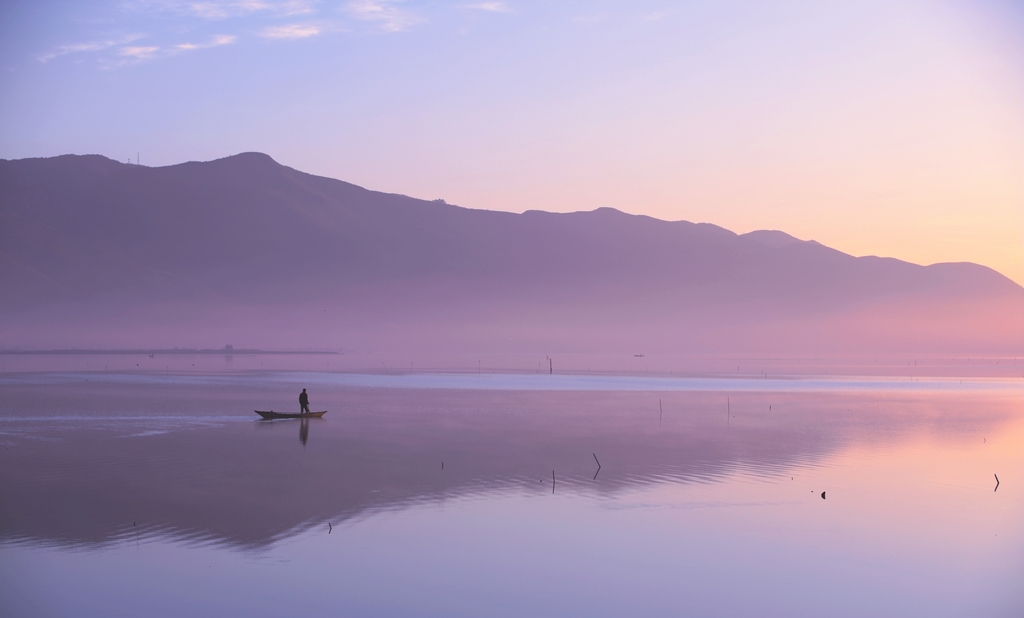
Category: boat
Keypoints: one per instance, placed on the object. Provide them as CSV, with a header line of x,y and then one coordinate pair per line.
x,y
272,414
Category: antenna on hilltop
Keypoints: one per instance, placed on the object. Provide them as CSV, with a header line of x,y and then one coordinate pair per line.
x,y
136,158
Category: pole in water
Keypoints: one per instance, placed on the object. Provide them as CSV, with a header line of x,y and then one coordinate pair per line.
x,y
330,528
552,481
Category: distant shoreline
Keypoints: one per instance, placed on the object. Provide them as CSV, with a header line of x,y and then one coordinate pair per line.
x,y
154,352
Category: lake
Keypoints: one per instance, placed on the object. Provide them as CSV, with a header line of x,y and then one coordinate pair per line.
x,y
509,494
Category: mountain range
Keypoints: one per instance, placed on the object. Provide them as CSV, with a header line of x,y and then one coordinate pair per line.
x,y
94,252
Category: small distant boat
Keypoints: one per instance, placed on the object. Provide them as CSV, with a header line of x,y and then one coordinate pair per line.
x,y
272,414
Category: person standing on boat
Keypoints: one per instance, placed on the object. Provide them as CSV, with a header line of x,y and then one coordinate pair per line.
x,y
304,402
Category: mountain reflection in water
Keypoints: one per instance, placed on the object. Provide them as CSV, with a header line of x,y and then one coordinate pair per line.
x,y
86,463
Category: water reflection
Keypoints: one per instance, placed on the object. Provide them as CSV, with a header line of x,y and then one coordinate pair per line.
x,y
84,481
303,424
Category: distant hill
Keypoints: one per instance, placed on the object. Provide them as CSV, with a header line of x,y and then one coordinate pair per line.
x,y
96,252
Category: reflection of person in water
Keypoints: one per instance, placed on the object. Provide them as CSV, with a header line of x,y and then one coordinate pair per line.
x,y
303,402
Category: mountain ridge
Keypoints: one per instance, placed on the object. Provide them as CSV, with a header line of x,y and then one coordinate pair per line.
x,y
249,233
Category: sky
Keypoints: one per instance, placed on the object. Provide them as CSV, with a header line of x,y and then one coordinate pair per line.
x,y
890,127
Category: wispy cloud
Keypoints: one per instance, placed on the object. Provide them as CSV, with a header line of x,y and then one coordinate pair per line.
x,y
271,19
147,52
214,10
94,46
217,41
492,7
119,52
291,31
139,52
388,16
225,9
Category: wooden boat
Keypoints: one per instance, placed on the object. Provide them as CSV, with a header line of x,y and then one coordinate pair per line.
x,y
272,414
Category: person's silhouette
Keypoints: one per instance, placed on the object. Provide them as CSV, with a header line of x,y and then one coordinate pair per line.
x,y
303,402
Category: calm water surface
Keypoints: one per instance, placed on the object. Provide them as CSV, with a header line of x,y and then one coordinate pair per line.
x,y
139,494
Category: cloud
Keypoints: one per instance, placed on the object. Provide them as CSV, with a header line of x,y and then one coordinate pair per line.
x,y
217,41
139,52
268,18
94,46
389,17
209,10
131,55
493,7
291,31
224,9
